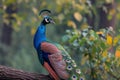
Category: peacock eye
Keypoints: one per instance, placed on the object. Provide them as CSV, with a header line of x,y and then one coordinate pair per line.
x,y
78,71
74,64
73,61
68,60
74,77
69,67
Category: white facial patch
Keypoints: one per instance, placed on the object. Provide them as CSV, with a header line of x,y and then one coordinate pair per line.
x,y
46,20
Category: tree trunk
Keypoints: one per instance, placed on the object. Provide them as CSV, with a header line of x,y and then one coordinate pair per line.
x,y
7,73
104,21
7,29
102,16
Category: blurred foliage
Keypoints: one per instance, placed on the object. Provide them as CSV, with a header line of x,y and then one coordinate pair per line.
x,y
93,50
84,44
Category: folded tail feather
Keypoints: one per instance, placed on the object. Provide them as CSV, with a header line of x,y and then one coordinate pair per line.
x,y
51,71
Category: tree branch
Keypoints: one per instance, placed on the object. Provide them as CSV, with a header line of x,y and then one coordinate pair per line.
x,y
7,73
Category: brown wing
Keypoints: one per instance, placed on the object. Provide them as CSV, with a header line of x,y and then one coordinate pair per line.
x,y
55,59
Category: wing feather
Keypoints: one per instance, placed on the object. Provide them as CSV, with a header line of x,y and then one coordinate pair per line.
x,y
56,59
59,65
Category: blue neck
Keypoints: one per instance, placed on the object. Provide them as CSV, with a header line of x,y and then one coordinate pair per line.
x,y
40,35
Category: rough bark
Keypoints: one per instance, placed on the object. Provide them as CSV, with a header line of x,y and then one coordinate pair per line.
x,y
7,73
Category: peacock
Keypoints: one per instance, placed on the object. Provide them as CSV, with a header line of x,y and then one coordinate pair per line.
x,y
54,58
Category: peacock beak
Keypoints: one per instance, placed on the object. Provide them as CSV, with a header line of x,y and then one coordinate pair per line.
x,y
51,21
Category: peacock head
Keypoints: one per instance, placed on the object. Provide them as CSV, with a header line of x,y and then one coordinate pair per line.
x,y
45,13
47,20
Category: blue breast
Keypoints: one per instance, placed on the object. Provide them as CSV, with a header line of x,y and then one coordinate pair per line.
x,y
39,36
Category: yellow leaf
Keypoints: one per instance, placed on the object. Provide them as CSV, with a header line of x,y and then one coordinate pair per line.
x,y
112,12
108,60
84,26
115,41
72,24
91,38
43,3
78,16
82,1
109,1
104,54
117,53
19,22
106,68
84,59
80,7
35,10
33,31
99,32
109,39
